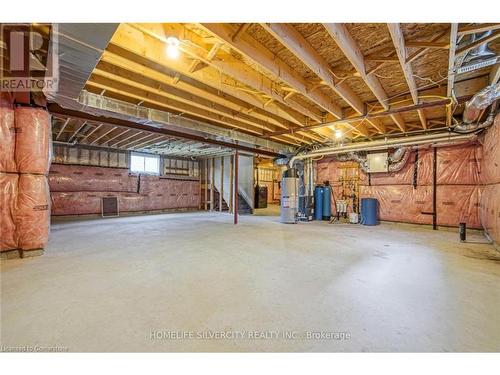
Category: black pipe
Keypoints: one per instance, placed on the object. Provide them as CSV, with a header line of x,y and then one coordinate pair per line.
x,y
434,190
463,232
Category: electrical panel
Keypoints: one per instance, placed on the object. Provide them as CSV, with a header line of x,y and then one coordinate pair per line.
x,y
377,162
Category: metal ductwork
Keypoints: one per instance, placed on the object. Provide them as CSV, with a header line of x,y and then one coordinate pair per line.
x,y
478,57
479,102
384,144
397,159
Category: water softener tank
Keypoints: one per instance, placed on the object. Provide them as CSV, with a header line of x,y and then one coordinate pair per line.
x,y
327,202
318,202
289,196
369,209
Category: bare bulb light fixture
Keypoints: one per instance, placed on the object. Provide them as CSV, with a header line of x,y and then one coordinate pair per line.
x,y
338,133
173,47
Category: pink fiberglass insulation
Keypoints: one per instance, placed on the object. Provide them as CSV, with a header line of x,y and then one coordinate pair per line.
x,y
156,193
170,192
490,211
70,178
458,204
8,197
459,171
33,140
401,203
7,137
490,174
490,168
33,212
459,165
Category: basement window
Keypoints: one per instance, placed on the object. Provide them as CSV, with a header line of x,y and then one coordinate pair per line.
x,y
144,163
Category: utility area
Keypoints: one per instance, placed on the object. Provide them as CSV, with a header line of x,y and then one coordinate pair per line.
x,y
250,187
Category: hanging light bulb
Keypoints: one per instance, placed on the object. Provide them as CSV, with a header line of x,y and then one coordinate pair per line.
x,y
338,133
173,47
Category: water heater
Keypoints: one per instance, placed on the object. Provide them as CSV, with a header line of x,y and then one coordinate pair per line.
x,y
289,196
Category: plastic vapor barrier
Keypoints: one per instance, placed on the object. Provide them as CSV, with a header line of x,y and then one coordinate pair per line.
x,y
8,198
33,140
490,174
33,212
459,171
71,178
7,136
78,190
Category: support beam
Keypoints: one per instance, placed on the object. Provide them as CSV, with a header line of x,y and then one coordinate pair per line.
x,y
155,128
353,53
451,70
221,192
399,44
236,158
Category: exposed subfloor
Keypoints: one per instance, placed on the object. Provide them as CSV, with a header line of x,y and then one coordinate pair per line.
x,y
110,284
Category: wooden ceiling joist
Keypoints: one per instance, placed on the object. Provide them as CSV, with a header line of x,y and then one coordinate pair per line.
x,y
287,35
172,92
400,46
261,56
130,44
353,53
111,62
136,94
451,70
103,135
229,65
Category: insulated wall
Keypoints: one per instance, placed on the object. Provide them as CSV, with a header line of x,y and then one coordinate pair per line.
x,y
78,190
407,195
490,173
25,140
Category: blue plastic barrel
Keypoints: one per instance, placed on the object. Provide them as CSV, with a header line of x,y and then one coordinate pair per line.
x,y
327,202
369,209
318,202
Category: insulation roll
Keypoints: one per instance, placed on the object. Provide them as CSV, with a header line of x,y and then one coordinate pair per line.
x,y
8,197
33,212
33,140
7,137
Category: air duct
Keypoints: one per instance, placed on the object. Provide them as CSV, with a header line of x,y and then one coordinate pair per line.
x,y
475,106
384,144
478,57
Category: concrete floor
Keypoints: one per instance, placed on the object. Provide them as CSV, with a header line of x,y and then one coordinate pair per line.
x,y
107,285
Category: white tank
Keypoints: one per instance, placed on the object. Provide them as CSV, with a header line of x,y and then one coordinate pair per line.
x,y
289,196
